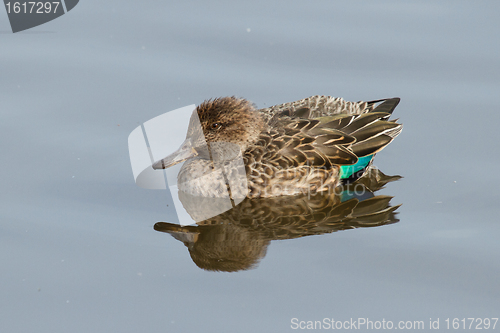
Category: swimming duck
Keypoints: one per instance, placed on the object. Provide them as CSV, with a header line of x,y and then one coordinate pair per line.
x,y
306,146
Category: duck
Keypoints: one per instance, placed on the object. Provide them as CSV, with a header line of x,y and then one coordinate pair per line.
x,y
311,145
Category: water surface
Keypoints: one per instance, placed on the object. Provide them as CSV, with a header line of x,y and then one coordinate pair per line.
x,y
79,252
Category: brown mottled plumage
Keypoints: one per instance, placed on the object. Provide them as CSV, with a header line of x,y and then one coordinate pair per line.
x,y
287,149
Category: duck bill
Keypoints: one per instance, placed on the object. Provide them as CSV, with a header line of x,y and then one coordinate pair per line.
x,y
180,155
186,235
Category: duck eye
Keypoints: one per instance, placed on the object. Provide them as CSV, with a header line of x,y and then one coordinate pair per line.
x,y
216,125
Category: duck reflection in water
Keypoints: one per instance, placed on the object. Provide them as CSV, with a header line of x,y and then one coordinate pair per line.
x,y
238,239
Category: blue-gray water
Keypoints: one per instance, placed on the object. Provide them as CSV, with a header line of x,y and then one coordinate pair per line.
x,y
78,250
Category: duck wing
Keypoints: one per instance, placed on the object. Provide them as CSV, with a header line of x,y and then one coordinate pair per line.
x,y
367,122
373,131
325,141
296,142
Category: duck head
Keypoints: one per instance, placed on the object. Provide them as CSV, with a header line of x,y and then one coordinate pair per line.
x,y
218,129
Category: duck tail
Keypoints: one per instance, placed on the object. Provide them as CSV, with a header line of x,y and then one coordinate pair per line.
x,y
373,132
386,105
